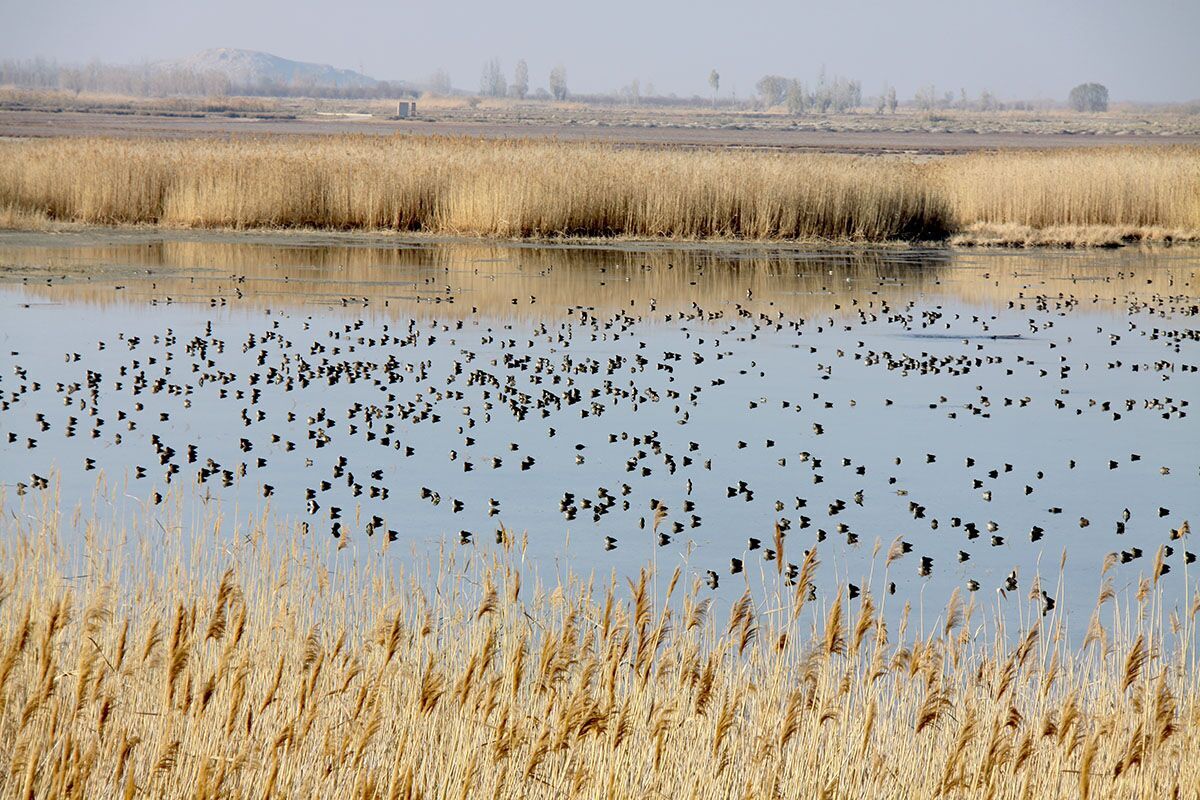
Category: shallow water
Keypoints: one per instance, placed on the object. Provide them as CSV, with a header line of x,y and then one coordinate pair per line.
x,y
731,385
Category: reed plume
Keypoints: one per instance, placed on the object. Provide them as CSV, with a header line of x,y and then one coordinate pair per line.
x,y
382,686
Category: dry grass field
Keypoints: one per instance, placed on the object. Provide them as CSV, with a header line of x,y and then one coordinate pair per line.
x,y
908,131
12,98
259,663
527,189
1131,123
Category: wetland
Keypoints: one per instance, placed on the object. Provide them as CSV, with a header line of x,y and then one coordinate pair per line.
x,y
306,514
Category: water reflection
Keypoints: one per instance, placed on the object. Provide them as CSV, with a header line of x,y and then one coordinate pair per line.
x,y
456,279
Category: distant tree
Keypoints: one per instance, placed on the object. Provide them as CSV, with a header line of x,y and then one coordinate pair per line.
x,y
891,99
632,92
492,82
487,75
771,90
160,80
650,89
439,82
714,80
558,82
520,84
844,94
820,99
71,80
987,101
796,98
1089,97
926,98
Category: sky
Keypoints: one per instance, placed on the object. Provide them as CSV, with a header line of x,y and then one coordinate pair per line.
x,y
1018,49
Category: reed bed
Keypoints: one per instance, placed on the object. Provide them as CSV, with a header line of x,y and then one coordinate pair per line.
x,y
257,663
528,189
1078,188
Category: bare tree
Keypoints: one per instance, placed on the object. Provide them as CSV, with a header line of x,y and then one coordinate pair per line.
x,y
796,98
822,96
492,82
558,82
771,90
714,80
845,94
71,80
887,100
926,98
439,82
632,92
520,84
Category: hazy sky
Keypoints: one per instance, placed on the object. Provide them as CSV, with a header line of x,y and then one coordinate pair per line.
x,y
1140,49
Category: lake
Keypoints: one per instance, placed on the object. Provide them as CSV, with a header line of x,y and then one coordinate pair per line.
x,y
986,417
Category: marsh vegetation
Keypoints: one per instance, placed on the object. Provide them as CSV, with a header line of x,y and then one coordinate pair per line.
x,y
527,189
241,666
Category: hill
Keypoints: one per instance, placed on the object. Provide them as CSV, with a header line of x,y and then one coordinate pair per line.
x,y
255,68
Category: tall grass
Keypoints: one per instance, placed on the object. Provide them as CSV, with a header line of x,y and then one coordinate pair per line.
x,y
257,665
539,189
1042,189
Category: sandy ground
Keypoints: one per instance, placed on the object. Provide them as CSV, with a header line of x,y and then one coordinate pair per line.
x,y
35,123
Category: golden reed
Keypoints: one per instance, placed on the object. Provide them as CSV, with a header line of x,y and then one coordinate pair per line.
x,y
261,662
531,189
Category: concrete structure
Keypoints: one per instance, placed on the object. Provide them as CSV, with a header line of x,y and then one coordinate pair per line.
x,y
406,109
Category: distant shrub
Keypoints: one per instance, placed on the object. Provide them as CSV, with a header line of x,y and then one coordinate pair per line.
x,y
1089,97
558,82
771,89
796,98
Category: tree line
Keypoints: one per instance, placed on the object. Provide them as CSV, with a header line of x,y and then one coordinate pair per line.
x,y
840,94
151,80
494,83
826,94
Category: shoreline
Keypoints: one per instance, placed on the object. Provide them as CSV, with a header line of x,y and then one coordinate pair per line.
x,y
986,238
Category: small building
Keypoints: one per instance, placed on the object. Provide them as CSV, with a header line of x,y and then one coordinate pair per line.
x,y
406,109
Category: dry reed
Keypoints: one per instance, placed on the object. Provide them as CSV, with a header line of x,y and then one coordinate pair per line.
x,y
526,189
256,665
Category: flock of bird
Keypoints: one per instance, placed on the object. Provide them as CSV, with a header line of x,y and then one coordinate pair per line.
x,y
702,429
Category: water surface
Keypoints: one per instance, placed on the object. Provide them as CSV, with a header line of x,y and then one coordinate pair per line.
x,y
998,411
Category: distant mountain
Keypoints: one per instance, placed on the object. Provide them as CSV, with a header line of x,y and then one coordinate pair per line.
x,y
254,68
